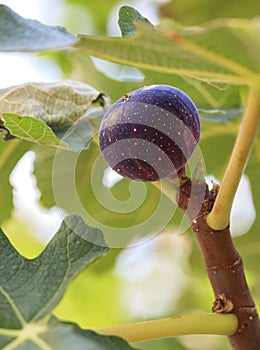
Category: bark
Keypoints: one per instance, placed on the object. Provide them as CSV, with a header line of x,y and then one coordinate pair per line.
x,y
224,265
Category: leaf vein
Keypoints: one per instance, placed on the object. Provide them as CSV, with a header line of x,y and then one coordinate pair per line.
x,y
13,306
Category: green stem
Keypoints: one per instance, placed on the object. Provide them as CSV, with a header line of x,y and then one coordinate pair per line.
x,y
174,326
219,217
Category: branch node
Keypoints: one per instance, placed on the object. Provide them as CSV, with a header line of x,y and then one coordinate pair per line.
x,y
222,305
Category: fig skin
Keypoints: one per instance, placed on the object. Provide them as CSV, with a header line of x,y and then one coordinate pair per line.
x,y
150,133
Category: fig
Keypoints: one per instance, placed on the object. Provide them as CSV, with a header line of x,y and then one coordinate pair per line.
x,y
150,133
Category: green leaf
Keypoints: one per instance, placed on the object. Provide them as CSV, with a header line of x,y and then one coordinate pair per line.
x,y
43,165
77,136
30,289
220,115
47,112
31,129
69,336
21,34
128,17
58,104
59,336
80,66
202,11
236,42
122,213
224,51
10,153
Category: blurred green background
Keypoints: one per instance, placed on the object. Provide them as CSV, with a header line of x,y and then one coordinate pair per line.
x,y
165,276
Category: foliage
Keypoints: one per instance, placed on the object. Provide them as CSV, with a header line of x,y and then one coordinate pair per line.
x,y
20,34
213,63
30,289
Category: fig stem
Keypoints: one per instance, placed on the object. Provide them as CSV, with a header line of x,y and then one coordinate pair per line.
x,y
219,217
203,323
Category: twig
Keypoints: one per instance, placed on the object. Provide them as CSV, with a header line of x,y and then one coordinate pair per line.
x,y
219,217
174,326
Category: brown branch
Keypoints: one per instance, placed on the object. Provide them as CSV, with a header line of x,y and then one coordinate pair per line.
x,y
224,265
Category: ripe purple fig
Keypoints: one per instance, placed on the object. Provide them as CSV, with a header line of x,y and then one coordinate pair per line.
x,y
150,133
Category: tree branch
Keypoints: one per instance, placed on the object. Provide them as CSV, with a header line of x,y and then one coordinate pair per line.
x,y
224,266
